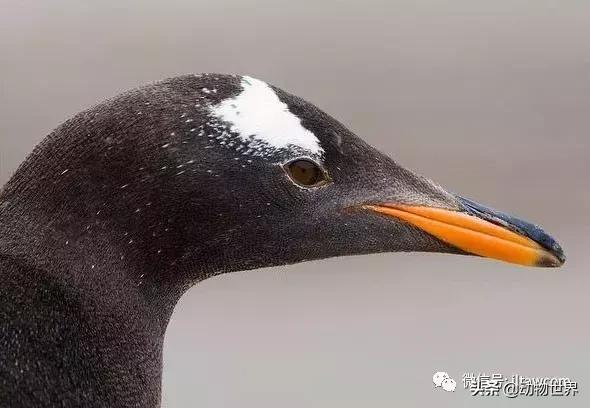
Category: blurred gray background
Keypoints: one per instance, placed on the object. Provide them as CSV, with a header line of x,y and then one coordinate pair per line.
x,y
489,98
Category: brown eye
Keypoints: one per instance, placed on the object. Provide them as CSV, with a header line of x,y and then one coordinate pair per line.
x,y
306,173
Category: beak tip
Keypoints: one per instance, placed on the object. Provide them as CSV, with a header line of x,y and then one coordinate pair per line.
x,y
553,256
554,259
550,252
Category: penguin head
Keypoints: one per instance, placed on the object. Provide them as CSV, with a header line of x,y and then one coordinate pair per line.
x,y
282,182
286,182
206,174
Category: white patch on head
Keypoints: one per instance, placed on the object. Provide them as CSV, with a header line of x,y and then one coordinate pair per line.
x,y
259,118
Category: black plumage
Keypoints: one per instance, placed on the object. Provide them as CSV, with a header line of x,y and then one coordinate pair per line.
x,y
128,204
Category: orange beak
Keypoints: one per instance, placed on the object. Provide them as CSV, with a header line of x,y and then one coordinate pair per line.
x,y
499,237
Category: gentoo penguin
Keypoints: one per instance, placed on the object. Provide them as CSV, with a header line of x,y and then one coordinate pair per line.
x,y
128,204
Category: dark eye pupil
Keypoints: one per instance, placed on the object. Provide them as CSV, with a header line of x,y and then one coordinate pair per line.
x,y
305,172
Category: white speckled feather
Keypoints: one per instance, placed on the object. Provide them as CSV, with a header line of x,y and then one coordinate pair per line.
x,y
258,114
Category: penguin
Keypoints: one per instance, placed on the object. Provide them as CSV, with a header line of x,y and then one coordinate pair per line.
x,y
122,208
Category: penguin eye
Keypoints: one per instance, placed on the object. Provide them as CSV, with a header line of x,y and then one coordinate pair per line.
x,y
306,173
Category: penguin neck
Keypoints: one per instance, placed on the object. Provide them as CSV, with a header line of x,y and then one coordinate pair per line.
x,y
96,248
114,329
105,220
114,276
114,298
